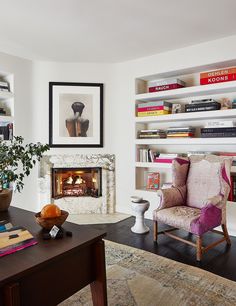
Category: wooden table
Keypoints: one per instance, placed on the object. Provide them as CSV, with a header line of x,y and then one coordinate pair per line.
x,y
51,271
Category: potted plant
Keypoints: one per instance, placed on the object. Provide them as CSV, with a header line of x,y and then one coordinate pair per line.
x,y
16,162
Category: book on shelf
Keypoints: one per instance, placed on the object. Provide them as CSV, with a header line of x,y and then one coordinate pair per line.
x,y
154,108
204,106
15,239
153,113
151,134
167,84
218,132
180,132
218,76
153,180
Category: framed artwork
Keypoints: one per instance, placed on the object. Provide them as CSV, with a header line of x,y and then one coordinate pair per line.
x,y
75,114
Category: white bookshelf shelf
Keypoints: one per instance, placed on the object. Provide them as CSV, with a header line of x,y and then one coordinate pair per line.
x,y
187,141
6,95
193,91
153,165
217,114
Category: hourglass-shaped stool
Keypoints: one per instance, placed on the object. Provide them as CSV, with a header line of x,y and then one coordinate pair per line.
x,y
139,209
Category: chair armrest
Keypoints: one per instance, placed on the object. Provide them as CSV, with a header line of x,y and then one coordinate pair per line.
x,y
174,196
216,200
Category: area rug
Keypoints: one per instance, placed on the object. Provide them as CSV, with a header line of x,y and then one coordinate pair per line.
x,y
139,278
97,218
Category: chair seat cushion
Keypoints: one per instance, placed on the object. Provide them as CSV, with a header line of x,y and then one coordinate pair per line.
x,y
178,216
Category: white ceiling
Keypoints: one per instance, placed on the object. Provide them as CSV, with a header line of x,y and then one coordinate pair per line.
x,y
110,30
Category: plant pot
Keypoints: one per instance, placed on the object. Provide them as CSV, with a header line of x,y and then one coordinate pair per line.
x,y
5,199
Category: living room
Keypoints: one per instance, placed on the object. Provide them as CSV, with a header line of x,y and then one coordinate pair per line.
x,y
115,49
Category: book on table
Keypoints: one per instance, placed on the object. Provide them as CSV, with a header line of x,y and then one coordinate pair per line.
x,y
15,239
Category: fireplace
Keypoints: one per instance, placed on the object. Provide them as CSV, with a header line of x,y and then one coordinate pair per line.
x,y
76,182
62,177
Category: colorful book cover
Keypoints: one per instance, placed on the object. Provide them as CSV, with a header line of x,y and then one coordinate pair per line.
x,y
153,180
217,73
153,113
152,108
15,239
218,79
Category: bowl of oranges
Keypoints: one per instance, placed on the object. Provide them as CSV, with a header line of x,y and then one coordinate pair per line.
x,y
51,215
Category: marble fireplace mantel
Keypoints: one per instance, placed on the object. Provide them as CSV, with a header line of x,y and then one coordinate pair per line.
x,y
76,205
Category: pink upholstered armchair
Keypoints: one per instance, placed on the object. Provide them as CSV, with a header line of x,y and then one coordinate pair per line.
x,y
196,202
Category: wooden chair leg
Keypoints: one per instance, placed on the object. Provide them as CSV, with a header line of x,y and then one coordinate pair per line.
x,y
199,248
225,231
155,229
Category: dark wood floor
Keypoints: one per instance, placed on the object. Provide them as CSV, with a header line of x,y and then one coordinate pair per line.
x,y
220,260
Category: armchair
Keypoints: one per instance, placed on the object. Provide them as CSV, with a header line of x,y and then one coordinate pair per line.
x,y
196,202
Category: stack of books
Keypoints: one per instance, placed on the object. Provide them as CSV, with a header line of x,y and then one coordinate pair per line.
x,y
155,108
146,155
151,134
180,132
202,105
166,158
219,129
218,76
4,86
167,84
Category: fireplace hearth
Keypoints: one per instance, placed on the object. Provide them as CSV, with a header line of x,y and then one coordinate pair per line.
x,y
76,182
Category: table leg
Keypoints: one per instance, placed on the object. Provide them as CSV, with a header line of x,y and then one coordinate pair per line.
x,y
99,286
12,295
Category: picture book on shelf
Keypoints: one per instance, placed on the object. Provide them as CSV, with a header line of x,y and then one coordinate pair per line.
x,y
14,239
153,180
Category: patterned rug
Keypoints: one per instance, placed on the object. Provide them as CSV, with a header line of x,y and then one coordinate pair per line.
x,y
140,278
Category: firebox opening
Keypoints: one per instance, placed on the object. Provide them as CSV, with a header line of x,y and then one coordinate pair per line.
x,y
76,182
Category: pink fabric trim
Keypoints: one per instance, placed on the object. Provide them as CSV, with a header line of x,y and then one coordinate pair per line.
x,y
224,175
210,218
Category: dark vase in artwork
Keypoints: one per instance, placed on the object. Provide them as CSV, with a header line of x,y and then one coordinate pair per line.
x,y
76,125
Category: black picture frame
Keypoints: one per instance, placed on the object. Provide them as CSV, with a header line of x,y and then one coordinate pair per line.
x,y
91,89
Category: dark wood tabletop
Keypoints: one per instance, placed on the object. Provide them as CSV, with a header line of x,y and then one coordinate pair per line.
x,y
32,259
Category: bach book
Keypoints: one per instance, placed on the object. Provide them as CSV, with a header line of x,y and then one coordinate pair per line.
x,y
15,239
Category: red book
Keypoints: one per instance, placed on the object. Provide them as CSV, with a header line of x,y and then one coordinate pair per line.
x,y
218,72
152,108
163,160
218,79
165,87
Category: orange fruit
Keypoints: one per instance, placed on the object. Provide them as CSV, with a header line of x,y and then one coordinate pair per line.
x,y
50,211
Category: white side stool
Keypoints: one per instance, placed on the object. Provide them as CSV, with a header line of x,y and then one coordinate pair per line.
x,y
139,209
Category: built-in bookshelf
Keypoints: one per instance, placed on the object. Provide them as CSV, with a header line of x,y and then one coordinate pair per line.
x,y
197,120
6,105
